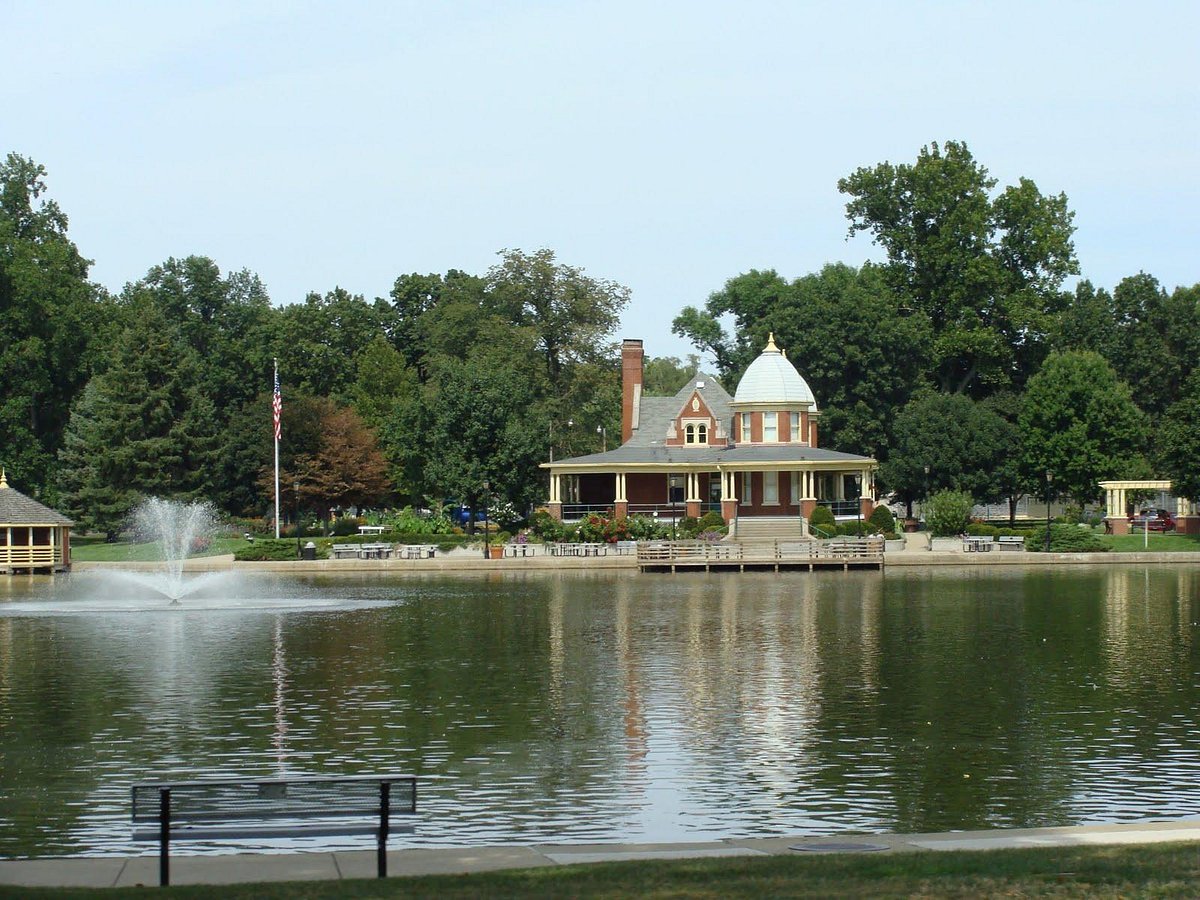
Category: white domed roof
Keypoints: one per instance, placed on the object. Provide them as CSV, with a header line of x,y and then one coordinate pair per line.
x,y
772,379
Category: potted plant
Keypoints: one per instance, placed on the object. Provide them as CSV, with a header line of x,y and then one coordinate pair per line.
x,y
496,544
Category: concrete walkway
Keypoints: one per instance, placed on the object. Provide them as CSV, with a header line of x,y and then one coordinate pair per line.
x,y
241,868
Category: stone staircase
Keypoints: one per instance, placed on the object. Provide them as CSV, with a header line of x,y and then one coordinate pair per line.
x,y
767,529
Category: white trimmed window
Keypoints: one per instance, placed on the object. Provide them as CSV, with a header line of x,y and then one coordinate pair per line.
x,y
770,488
794,479
695,433
747,498
770,428
745,438
794,436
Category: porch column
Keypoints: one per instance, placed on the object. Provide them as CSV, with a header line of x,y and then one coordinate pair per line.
x,y
692,498
554,507
728,497
1116,519
621,503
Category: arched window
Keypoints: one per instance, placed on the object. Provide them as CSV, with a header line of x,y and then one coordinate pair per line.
x,y
701,434
689,434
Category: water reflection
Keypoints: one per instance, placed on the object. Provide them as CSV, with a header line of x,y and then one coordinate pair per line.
x,y
615,706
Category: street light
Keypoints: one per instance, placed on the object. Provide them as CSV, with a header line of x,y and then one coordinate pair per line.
x,y
487,486
1049,481
570,423
858,503
296,513
603,432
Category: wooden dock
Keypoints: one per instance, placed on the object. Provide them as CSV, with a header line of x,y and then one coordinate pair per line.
x,y
709,556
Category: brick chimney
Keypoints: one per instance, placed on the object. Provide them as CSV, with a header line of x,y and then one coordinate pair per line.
x,y
631,386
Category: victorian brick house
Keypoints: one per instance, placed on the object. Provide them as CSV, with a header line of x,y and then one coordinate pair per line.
x,y
754,454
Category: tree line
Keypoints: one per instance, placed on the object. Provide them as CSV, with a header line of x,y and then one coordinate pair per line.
x,y
960,362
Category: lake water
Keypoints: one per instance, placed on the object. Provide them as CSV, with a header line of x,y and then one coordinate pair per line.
x,y
575,708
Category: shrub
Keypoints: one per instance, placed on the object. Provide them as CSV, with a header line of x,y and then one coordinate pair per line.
x,y
643,528
711,521
823,517
266,550
688,527
345,526
545,526
882,519
855,529
948,513
1065,539
501,537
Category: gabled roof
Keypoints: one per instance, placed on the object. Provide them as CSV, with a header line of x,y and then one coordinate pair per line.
x,y
17,509
657,413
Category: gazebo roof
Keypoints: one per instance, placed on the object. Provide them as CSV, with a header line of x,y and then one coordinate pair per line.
x,y
17,509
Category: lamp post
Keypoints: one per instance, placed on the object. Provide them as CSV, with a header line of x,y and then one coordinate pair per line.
x,y
487,486
296,513
1049,481
858,504
603,432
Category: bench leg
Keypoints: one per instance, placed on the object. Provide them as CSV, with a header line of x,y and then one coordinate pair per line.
x,y
164,837
384,815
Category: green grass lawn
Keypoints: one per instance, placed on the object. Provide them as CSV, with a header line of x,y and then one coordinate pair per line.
x,y
1155,870
1158,543
94,549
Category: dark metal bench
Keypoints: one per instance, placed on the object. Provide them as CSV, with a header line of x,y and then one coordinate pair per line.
x,y
271,808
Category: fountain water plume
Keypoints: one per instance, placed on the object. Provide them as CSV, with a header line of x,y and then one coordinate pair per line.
x,y
178,528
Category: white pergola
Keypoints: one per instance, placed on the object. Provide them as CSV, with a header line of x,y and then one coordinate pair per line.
x,y
1117,495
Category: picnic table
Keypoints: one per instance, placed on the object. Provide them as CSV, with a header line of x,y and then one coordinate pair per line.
x,y
418,551
518,550
977,543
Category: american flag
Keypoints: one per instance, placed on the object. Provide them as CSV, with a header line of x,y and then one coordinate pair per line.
x,y
276,405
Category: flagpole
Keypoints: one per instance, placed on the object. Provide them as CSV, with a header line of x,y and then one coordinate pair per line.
x,y
275,416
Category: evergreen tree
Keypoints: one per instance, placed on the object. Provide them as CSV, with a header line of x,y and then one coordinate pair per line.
x,y
143,428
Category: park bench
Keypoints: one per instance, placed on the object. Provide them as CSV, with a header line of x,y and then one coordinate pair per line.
x,y
1010,542
977,543
345,551
271,808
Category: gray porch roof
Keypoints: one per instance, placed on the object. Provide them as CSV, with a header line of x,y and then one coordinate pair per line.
x,y
17,509
628,454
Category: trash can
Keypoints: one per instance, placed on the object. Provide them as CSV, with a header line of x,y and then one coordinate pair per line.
x,y
309,551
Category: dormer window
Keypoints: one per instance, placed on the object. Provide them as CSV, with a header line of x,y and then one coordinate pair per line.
x,y
695,433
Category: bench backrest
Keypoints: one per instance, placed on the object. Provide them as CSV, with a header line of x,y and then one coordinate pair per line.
x,y
357,796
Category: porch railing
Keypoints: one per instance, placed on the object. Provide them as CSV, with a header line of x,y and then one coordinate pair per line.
x,y
22,556
841,507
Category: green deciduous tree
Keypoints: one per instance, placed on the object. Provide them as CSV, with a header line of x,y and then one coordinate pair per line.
x,y
961,442
49,316
1079,423
1177,441
985,271
843,328
665,376
572,315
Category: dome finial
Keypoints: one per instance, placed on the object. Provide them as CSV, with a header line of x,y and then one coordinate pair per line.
x,y
3,479
771,348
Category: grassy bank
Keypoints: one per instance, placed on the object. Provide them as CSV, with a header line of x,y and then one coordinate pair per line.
x,y
1159,870
1158,543
94,549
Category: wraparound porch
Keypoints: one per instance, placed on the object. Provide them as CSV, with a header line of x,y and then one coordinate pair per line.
x,y
732,491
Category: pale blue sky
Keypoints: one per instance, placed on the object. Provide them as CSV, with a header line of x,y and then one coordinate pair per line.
x,y
665,146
